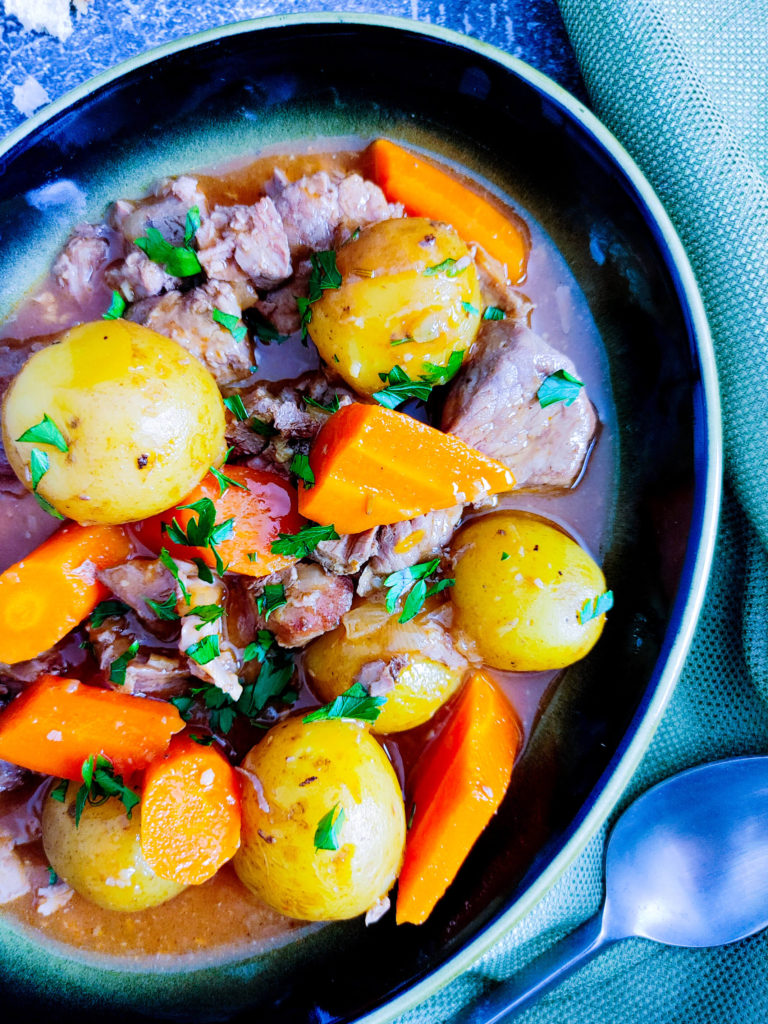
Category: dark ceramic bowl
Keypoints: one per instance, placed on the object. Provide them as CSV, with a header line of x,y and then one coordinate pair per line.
x,y
227,92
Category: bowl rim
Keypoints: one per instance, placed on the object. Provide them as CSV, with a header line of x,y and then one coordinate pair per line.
x,y
686,608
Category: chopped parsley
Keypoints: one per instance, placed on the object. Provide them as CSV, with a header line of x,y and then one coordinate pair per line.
x,y
107,610
401,387
504,556
450,267
191,224
173,569
271,599
46,506
205,650
411,583
260,647
262,427
230,323
301,467
559,386
401,341
325,275
235,405
203,570
116,307
203,532
165,610
494,313
264,329
52,876
328,831
435,374
39,464
59,791
204,741
45,432
593,607
355,702
119,665
99,784
331,407
299,545
207,612
223,480
411,817
178,260
469,308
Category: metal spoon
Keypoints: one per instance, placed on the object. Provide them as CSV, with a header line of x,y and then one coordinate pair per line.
x,y
686,864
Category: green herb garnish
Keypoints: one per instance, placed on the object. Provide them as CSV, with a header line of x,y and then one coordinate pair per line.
x,y
107,610
273,681
355,702
46,506
504,556
401,387
331,407
39,464
204,741
99,784
328,831
300,544
595,606
191,223
231,323
178,260
449,267
203,532
165,610
207,612
203,570
52,876
45,432
412,582
59,791
119,665
116,307
435,374
401,341
235,405
264,329
301,467
469,308
271,599
325,275
204,650
559,386
173,569
260,647
223,480
262,427
494,313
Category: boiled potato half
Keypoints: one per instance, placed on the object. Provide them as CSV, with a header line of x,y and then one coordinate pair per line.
x,y
141,419
409,295
523,592
101,857
323,830
421,659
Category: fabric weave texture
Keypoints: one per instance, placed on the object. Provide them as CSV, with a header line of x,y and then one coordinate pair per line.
x,y
683,84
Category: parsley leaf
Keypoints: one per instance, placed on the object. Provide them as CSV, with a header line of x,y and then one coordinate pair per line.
x,y
231,323
325,275
355,702
203,571
301,467
173,569
203,532
494,313
106,610
225,481
116,307
165,610
204,650
439,587
273,679
271,599
45,432
504,556
183,705
449,266
559,386
39,464
593,607
299,545
235,405
331,407
469,308
262,427
204,741
207,612
263,328
260,647
99,784
401,341
59,791
46,506
412,582
328,831
400,387
178,260
52,876
191,224
435,374
119,665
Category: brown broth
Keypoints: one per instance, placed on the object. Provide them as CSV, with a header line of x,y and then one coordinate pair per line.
x,y
221,917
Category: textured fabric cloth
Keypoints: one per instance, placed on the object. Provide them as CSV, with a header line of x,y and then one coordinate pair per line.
x,y
683,84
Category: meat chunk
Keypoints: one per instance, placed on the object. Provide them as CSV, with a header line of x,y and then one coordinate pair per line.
x,y
14,878
282,406
166,210
50,898
318,209
279,307
493,406
79,267
315,604
11,776
188,319
245,241
348,554
149,672
135,581
138,277
221,670
413,541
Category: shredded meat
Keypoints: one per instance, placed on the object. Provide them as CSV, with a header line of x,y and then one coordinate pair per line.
x,y
138,277
149,672
135,581
80,266
14,879
221,670
348,554
416,540
250,242
166,210
188,319
279,307
493,406
316,602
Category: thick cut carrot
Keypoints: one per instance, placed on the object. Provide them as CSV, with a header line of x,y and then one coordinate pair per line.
x,y
262,508
460,782
50,591
190,812
374,466
55,724
426,191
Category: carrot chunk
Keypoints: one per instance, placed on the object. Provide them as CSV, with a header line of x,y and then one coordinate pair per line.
x,y
460,781
49,592
260,504
374,466
55,724
426,191
190,812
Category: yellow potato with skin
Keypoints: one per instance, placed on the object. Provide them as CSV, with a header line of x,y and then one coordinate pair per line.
x,y
299,773
426,668
390,290
521,586
143,421
101,857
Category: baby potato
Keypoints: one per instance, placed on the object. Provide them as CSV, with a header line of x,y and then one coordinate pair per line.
x,y
422,660
391,290
521,588
141,419
323,827
101,857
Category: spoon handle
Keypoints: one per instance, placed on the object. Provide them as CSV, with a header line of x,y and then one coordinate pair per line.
x,y
548,970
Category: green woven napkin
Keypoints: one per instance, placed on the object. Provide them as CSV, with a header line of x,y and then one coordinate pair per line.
x,y
683,84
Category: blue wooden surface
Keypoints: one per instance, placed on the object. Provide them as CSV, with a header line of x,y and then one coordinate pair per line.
x,y
112,30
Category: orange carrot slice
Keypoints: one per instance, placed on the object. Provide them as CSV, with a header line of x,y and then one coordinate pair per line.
x,y
460,781
374,466
49,592
426,191
55,724
190,812
264,506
